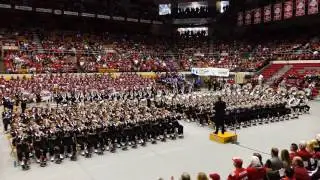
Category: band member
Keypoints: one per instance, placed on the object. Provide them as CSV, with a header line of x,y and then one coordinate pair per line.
x,y
6,119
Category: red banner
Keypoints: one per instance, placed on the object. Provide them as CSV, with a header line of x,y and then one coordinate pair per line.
x,y
248,17
277,12
240,18
267,13
313,7
257,16
288,10
300,7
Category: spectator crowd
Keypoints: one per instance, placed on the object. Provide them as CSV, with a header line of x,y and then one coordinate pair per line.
x,y
62,51
300,162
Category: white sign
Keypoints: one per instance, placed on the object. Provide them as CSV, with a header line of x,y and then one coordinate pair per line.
x,y
219,72
87,15
43,10
6,6
70,13
118,18
23,8
157,22
132,20
145,21
100,16
58,12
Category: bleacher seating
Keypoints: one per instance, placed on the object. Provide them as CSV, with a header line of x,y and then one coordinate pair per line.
x,y
272,69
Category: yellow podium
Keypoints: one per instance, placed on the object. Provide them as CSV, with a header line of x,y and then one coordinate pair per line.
x,y
223,138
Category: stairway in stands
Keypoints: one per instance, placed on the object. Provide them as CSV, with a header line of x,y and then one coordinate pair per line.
x,y
2,67
279,73
36,39
271,70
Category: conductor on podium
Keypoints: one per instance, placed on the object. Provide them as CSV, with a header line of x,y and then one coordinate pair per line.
x,y
219,117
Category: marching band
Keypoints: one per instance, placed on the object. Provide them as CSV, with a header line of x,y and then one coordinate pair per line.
x,y
94,120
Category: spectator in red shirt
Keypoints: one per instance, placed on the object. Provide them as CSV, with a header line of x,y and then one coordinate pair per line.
x,y
303,153
300,172
255,169
239,173
293,150
214,176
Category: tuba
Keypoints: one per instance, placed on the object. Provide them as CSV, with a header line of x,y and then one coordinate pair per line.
x,y
282,91
308,92
293,102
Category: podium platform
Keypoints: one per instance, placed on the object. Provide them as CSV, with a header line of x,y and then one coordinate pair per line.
x,y
223,138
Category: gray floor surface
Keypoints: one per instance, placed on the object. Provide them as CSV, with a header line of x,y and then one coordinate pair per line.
x,y
193,154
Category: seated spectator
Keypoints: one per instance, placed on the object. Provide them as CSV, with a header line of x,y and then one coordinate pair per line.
x,y
289,174
300,172
303,153
202,176
214,176
293,150
255,170
239,172
285,158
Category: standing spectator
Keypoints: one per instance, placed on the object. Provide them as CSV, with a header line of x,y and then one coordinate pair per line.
x,y
260,79
255,169
185,176
276,163
202,176
293,150
300,172
285,158
214,176
303,153
239,173
259,156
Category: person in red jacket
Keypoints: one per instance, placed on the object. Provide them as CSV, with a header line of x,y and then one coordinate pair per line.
x,y
255,170
239,173
303,153
300,172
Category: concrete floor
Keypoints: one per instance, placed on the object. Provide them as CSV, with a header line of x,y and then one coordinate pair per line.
x,y
193,154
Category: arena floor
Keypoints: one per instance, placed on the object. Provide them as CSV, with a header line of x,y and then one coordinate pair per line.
x,y
192,154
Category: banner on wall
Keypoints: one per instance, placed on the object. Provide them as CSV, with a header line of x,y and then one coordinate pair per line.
x,y
288,9
240,18
267,13
277,11
248,17
219,72
257,16
313,6
300,7
239,77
